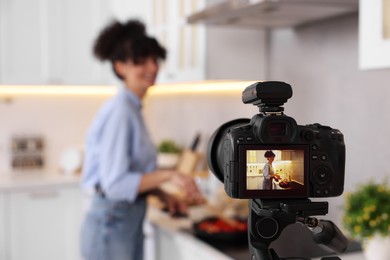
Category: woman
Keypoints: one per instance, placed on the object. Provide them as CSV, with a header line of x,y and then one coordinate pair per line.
x,y
268,171
120,161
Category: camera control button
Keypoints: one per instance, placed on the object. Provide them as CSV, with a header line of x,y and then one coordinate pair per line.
x,y
307,135
249,138
314,157
321,175
324,157
318,191
314,147
326,192
241,138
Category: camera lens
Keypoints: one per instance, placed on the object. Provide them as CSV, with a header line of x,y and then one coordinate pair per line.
x,y
215,151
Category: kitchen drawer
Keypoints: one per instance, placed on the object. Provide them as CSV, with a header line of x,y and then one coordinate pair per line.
x,y
43,223
3,244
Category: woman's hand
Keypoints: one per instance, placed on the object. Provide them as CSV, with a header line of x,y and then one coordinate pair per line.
x,y
188,186
173,205
185,184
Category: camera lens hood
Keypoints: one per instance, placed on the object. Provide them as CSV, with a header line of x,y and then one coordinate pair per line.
x,y
215,145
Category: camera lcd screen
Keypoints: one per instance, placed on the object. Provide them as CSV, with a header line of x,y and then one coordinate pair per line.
x,y
273,171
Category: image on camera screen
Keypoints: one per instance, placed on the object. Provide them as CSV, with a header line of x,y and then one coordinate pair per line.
x,y
275,169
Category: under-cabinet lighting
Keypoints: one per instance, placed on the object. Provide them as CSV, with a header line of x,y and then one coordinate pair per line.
x,y
44,90
203,87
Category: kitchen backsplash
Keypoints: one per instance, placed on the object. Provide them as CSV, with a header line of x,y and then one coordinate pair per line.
x,y
63,121
182,116
59,121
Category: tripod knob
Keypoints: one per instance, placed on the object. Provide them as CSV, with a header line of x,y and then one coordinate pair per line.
x,y
267,227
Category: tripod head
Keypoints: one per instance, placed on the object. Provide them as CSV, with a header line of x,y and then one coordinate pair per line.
x,y
268,218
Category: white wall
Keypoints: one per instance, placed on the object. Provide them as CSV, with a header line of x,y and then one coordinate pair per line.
x,y
236,53
181,116
61,120
321,63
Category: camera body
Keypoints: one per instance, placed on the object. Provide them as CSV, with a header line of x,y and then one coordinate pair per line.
x,y
308,160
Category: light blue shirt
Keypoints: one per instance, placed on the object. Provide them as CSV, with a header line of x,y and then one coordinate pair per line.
x,y
118,148
267,171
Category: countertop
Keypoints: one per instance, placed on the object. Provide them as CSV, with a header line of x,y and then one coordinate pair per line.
x,y
11,182
180,227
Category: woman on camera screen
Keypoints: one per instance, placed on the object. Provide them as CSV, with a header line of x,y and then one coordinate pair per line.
x,y
268,170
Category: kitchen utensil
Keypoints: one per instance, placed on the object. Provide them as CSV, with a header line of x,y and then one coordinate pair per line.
x,y
189,157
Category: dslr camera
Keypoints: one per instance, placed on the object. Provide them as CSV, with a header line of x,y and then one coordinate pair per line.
x,y
308,160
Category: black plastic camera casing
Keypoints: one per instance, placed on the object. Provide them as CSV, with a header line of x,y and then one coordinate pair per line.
x,y
315,152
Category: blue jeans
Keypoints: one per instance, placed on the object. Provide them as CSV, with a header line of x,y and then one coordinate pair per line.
x,y
113,230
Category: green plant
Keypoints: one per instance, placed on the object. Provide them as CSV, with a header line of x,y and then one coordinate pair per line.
x,y
169,146
367,211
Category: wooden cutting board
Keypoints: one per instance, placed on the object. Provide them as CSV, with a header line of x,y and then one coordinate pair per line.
x,y
187,162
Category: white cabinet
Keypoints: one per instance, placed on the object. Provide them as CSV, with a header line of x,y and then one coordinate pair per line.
x,y
3,230
185,44
50,41
178,245
72,28
22,41
43,224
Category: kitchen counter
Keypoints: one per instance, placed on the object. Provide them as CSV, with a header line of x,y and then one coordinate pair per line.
x,y
175,239
26,181
172,235
292,185
179,232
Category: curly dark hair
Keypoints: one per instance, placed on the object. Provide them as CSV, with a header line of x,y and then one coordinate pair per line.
x,y
126,41
268,154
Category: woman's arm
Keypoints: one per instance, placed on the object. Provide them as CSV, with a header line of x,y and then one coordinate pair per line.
x,y
153,180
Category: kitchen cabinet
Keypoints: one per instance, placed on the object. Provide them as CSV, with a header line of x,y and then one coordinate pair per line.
x,y
3,230
50,41
374,34
285,156
176,245
186,44
43,223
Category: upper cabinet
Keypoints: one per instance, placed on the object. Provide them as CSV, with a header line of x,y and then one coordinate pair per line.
x,y
50,41
272,13
185,43
374,34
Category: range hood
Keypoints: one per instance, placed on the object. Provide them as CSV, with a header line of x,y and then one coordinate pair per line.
x,y
272,13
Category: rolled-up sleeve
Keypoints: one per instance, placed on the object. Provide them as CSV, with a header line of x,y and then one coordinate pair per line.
x,y
119,150
117,179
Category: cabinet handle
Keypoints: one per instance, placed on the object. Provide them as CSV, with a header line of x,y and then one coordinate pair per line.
x,y
44,194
